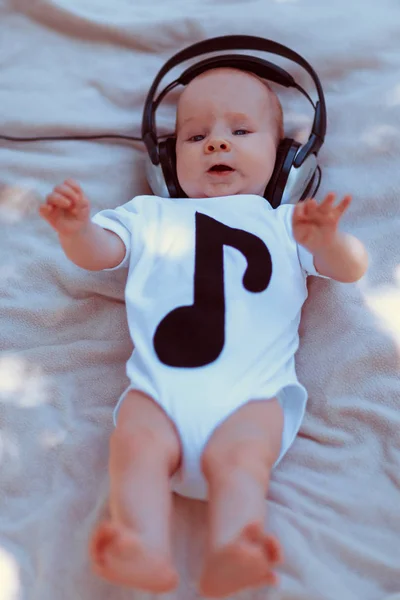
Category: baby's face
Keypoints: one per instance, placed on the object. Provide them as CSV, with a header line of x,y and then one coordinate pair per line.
x,y
226,135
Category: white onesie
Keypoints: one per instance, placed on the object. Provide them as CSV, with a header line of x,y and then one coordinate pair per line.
x,y
213,297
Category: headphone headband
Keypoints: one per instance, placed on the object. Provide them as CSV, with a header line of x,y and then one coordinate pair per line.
x,y
235,42
258,66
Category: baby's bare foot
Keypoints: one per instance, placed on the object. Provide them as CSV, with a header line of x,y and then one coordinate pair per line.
x,y
248,561
120,556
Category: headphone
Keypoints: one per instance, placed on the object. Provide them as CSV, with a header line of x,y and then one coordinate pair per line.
x,y
294,176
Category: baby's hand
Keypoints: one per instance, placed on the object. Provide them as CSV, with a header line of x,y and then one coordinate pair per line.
x,y
315,225
66,209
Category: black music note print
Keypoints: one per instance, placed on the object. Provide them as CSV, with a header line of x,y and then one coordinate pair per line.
x,y
194,335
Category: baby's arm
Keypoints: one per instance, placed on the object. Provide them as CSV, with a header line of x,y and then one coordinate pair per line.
x,y
94,248
85,243
345,259
337,255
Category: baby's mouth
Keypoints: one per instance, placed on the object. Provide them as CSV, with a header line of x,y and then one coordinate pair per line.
x,y
220,169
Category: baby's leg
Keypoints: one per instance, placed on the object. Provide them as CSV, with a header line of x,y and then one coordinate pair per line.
x,y
237,463
133,548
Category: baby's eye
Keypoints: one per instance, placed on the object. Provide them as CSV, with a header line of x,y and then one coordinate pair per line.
x,y
196,138
240,132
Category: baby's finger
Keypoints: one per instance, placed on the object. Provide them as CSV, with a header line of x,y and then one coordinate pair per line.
x,y
81,204
343,205
48,213
58,201
309,206
67,192
74,185
327,203
298,213
80,200
45,210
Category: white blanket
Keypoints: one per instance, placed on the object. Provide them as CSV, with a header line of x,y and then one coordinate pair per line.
x,y
79,66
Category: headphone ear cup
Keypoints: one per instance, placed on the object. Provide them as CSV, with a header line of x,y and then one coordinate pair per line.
x,y
311,188
167,154
285,155
155,178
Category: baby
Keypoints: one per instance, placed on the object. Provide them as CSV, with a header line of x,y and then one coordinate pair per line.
x,y
215,287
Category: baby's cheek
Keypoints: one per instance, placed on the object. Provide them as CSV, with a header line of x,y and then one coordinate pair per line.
x,y
259,167
180,166
186,168
263,165
185,176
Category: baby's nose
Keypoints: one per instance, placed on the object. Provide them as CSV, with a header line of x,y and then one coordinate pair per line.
x,y
218,145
